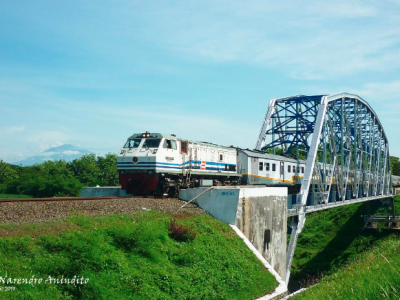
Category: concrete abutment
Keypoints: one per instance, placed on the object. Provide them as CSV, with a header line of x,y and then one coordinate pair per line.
x,y
260,213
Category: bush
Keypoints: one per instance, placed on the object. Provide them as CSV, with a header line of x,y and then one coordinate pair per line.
x,y
180,233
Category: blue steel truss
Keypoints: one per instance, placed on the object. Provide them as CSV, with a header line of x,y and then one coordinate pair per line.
x,y
345,147
292,123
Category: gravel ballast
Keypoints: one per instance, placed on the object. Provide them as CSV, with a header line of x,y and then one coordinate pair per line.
x,y
22,212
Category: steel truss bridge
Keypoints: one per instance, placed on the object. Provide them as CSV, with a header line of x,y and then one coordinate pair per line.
x,y
345,148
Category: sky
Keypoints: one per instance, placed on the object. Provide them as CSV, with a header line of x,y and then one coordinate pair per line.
x,y
92,73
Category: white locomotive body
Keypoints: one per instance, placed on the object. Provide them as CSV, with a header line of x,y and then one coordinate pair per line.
x,y
154,163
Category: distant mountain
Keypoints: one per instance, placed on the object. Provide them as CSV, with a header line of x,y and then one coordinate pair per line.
x,y
66,152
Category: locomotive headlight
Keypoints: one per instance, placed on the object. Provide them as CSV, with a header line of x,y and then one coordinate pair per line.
x,y
122,152
135,160
146,134
155,151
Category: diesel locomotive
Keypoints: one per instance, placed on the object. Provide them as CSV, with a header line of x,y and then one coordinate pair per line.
x,y
157,164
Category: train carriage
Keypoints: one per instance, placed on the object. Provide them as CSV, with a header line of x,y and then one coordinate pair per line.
x,y
268,169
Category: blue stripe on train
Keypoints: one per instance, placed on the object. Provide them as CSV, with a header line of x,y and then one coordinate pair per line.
x,y
174,164
169,167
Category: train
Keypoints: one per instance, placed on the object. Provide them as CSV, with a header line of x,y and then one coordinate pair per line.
x,y
158,164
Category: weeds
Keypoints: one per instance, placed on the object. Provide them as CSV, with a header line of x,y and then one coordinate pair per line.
x,y
180,233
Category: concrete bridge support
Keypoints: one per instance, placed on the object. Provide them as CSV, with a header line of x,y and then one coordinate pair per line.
x,y
259,212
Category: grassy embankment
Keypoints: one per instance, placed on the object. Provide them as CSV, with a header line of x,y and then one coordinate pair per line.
x,y
131,257
359,264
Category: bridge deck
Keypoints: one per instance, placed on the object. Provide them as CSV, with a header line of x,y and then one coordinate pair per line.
x,y
314,208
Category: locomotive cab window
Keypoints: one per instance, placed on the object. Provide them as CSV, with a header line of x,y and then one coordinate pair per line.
x,y
151,143
133,143
273,167
260,166
170,144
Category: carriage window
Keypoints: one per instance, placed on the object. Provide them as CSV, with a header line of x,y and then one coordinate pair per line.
x,y
298,169
260,166
288,169
294,169
273,167
302,169
266,166
221,157
133,143
169,144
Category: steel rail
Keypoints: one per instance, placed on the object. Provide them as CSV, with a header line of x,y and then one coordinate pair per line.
x,y
71,198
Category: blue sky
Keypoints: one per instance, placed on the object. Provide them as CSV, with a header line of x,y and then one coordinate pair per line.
x,y
92,73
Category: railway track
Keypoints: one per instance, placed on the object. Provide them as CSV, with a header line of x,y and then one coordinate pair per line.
x,y
32,210
71,198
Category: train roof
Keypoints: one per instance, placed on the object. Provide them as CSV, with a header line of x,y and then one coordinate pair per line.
x,y
260,154
152,135
211,144
173,136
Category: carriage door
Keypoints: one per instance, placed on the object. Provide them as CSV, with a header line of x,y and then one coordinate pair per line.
x,y
254,170
282,171
184,153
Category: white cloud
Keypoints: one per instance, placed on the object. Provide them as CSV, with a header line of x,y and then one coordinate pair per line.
x,y
14,129
380,91
305,39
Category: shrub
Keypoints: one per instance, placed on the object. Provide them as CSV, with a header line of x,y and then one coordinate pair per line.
x,y
180,233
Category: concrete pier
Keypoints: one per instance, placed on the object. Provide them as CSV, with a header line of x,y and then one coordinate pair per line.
x,y
260,213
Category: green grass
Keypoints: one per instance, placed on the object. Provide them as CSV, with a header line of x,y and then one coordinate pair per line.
x,y
7,196
132,257
348,261
397,203
333,237
373,275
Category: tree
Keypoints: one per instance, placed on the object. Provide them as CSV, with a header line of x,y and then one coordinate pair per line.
x,y
6,172
86,169
395,165
108,169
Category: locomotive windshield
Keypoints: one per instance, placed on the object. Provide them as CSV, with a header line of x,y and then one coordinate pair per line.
x,y
151,143
148,143
133,143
